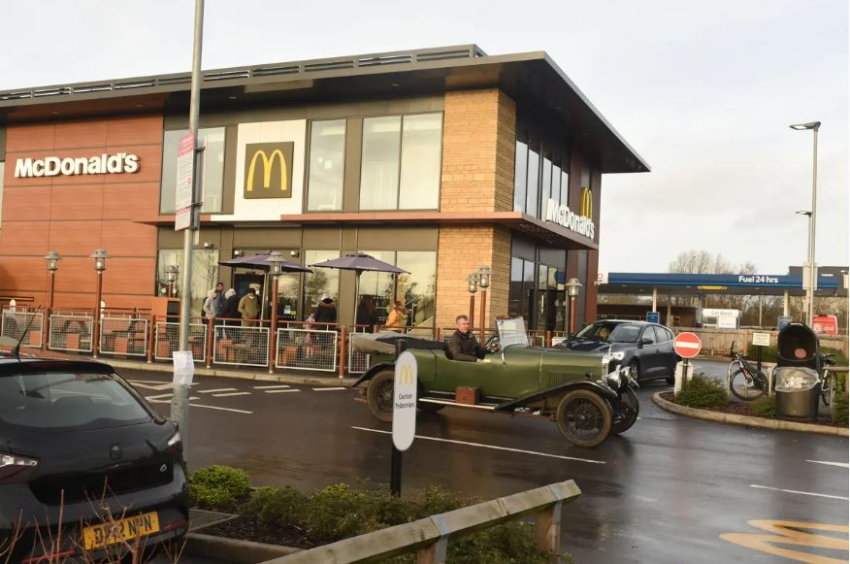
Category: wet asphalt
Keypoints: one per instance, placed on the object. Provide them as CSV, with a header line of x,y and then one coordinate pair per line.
x,y
665,491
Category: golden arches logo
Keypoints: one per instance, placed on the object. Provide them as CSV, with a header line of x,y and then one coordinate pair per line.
x,y
268,183
267,169
405,376
586,209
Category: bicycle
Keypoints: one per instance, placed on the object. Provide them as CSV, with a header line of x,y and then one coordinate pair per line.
x,y
829,380
746,382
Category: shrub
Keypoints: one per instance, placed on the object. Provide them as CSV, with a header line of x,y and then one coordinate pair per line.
x,y
702,391
336,512
219,487
277,507
839,407
764,406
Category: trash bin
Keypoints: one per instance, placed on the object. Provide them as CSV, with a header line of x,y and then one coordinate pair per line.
x,y
797,373
797,393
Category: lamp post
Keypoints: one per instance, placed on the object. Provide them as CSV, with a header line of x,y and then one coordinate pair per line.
x,y
52,259
806,278
484,274
473,288
573,287
810,291
99,257
276,261
172,271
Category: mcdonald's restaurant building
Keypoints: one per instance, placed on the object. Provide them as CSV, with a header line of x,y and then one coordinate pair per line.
x,y
440,161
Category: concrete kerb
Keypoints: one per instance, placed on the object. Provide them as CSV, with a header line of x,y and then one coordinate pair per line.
x,y
232,550
224,373
747,420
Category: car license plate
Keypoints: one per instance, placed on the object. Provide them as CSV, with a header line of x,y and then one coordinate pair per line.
x,y
98,536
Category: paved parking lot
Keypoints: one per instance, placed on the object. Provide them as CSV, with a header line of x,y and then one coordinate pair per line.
x,y
670,490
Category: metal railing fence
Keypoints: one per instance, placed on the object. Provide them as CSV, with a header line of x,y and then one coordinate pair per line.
x,y
15,323
71,332
307,349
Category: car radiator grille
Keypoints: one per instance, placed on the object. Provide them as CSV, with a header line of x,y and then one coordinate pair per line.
x,y
92,487
552,379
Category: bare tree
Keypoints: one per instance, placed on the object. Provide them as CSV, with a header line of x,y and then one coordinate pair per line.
x,y
701,262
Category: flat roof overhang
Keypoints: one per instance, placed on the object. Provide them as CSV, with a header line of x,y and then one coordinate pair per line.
x,y
518,222
532,79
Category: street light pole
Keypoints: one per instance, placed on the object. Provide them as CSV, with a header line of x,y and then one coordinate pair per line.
x,y
276,261
473,288
573,287
99,257
180,399
52,259
810,291
484,274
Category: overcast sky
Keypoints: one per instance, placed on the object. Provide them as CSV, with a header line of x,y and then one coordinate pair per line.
x,y
704,91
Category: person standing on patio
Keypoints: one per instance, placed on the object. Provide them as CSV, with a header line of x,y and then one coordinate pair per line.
x,y
219,300
325,312
209,308
396,318
249,308
367,314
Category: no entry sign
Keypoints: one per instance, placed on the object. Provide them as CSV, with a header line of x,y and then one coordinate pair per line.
x,y
687,345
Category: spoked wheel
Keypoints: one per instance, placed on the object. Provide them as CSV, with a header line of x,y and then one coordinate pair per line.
x,y
379,395
746,388
827,387
584,418
627,413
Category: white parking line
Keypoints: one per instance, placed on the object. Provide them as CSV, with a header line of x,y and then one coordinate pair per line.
x,y
839,464
232,394
160,396
328,389
217,390
271,387
800,493
493,447
281,391
222,408
168,400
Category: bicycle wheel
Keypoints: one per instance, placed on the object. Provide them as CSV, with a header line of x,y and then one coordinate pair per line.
x,y
743,387
827,390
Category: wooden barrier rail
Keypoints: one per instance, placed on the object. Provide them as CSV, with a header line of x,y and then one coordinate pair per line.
x,y
430,537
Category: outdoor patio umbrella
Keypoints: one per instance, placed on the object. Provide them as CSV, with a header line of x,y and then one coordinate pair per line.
x,y
258,262
360,263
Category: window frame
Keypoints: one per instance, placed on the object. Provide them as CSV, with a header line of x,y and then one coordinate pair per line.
x,y
309,168
400,161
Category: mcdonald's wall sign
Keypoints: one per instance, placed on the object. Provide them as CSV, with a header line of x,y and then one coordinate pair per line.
x,y
268,170
582,222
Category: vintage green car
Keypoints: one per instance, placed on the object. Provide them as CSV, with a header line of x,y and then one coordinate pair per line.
x,y
585,393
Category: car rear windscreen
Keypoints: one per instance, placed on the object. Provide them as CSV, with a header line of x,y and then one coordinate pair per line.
x,y
54,401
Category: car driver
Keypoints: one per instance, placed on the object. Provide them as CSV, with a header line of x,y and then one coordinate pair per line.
x,y
463,345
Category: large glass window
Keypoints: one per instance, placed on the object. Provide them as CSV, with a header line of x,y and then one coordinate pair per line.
x,y
515,289
288,286
520,175
204,274
417,290
531,201
565,185
213,177
401,162
556,184
546,186
327,157
421,158
323,282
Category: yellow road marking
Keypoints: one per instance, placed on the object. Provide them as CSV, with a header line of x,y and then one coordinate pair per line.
x,y
786,533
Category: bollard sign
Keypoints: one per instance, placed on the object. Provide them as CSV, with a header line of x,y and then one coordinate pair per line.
x,y
687,345
404,401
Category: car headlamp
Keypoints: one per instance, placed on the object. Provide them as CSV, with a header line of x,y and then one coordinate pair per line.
x,y
619,355
174,439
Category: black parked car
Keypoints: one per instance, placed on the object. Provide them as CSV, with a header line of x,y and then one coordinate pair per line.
x,y
646,348
78,443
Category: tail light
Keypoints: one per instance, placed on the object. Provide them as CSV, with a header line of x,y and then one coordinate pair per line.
x,y
14,468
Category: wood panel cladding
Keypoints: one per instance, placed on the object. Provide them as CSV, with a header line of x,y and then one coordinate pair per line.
x,y
74,215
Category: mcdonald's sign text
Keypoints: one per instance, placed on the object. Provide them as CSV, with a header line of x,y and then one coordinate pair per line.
x,y
404,400
580,223
268,170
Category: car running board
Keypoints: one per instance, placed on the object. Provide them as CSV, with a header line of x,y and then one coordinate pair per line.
x,y
484,406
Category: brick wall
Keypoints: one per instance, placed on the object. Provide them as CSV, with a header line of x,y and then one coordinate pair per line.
x,y
479,131
462,251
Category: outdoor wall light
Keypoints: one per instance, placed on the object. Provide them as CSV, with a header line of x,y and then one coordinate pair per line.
x,y
473,283
171,272
237,253
484,274
294,253
276,261
100,257
803,212
53,259
573,287
208,245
